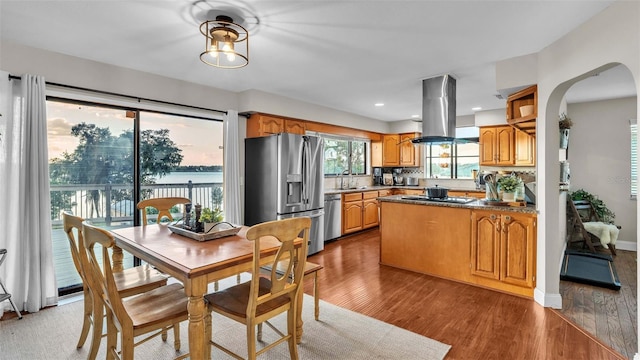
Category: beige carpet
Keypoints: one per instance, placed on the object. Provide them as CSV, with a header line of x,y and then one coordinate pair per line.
x,y
340,334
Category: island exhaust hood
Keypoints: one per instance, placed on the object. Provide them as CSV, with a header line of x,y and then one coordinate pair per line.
x,y
438,110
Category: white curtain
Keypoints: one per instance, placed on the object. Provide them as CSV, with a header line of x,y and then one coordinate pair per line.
x,y
232,186
25,224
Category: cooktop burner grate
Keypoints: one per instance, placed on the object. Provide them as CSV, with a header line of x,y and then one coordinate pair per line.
x,y
450,199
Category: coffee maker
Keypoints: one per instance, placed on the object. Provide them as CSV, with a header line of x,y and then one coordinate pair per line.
x,y
397,176
377,176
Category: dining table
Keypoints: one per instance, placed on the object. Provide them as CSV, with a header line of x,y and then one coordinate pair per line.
x,y
196,264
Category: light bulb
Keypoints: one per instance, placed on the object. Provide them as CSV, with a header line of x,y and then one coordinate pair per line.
x,y
213,49
231,57
228,44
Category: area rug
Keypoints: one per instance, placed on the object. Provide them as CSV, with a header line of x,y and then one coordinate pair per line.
x,y
339,334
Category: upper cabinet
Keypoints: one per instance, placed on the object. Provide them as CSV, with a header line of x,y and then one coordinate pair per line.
x,y
376,153
497,145
264,125
398,150
522,110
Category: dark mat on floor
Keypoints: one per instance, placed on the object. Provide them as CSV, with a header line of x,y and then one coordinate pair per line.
x,y
591,269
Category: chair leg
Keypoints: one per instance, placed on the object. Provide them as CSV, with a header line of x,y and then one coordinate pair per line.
x,y
612,248
87,319
291,331
96,333
13,304
316,296
112,337
251,342
176,336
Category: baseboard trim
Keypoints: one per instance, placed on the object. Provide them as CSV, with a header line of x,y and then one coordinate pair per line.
x,y
547,300
627,245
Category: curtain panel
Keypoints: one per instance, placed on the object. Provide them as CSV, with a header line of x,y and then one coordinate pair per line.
x,y
25,227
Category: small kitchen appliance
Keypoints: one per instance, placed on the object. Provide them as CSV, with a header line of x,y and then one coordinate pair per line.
x,y
377,176
397,176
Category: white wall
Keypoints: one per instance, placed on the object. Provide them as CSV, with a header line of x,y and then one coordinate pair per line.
x,y
600,156
609,38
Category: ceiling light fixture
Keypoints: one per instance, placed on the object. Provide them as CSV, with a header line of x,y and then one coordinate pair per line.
x,y
477,108
379,104
226,43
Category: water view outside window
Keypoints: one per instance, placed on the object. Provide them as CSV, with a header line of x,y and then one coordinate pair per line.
x,y
91,152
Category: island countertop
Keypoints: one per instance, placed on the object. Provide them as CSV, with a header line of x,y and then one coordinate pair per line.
x,y
475,204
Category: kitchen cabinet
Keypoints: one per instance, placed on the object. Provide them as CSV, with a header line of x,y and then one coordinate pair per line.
x,y
525,146
497,145
503,247
265,125
468,193
398,150
359,211
376,153
515,118
351,212
408,191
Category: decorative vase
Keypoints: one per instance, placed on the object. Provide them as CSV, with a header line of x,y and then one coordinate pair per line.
x,y
207,227
508,196
564,138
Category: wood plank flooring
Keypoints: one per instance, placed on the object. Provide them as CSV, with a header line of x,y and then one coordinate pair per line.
x,y
477,323
607,314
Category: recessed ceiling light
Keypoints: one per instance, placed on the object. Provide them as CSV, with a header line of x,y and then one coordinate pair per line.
x,y
477,108
379,104
415,116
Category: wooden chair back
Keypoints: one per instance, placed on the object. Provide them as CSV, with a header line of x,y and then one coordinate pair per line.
x,y
101,279
71,224
288,258
163,205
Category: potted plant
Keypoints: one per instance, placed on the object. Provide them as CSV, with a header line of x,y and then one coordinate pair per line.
x,y
604,213
508,185
565,124
209,218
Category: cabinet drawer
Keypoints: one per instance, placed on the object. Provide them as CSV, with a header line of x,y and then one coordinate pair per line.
x,y
384,192
352,197
369,195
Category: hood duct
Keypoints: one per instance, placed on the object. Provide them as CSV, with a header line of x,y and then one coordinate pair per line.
x,y
438,110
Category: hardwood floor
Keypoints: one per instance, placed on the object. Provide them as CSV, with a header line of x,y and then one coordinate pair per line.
x,y
607,314
477,323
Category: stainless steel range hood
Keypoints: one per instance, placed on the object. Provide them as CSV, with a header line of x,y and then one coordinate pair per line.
x,y
438,110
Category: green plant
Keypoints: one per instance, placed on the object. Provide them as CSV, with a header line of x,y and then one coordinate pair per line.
x,y
565,122
601,209
509,184
211,216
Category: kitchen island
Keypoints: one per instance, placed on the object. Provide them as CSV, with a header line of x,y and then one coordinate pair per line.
x,y
474,243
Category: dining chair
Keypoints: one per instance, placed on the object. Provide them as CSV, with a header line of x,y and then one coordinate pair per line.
x,y
163,205
6,295
260,299
131,281
148,313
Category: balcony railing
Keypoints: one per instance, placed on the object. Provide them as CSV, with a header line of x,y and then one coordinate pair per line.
x,y
111,206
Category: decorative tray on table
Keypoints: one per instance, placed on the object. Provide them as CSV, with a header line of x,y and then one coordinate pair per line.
x,y
217,230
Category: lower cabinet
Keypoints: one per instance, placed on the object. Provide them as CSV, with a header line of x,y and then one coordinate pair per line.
x,y
503,247
359,211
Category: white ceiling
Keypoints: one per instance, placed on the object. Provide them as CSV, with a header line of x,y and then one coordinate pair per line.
x,y
346,55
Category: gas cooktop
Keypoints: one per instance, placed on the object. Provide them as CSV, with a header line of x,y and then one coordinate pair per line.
x,y
450,199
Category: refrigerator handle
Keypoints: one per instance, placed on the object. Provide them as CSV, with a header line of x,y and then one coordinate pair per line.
x,y
305,165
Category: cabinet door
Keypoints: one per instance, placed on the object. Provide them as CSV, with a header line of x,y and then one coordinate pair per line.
x,y
525,149
517,249
390,150
409,153
352,217
376,153
370,213
485,244
505,149
487,146
294,127
271,125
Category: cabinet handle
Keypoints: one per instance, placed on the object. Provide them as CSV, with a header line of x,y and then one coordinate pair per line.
x,y
492,216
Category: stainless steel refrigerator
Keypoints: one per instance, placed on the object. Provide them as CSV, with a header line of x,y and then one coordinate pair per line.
x,y
284,179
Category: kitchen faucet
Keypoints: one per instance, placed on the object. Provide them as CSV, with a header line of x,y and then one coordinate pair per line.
x,y
342,174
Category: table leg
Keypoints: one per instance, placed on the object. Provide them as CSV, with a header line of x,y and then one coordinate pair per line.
x,y
198,346
116,259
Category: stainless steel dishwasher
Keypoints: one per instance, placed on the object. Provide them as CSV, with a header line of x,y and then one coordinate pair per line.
x,y
332,216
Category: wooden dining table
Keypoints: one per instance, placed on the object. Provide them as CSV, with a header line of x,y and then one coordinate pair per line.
x,y
195,264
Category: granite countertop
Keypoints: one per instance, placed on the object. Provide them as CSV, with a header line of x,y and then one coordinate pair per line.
x,y
385,187
476,204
